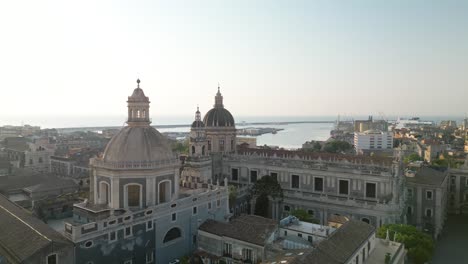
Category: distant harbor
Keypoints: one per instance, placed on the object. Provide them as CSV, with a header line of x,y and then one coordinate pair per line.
x,y
242,124
257,131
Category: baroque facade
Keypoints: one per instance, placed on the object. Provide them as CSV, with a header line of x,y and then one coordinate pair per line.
x,y
369,189
136,212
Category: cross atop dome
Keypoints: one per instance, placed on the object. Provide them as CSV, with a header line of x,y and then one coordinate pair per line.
x,y
218,99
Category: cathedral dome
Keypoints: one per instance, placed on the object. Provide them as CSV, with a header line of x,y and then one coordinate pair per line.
x,y
198,124
139,143
219,117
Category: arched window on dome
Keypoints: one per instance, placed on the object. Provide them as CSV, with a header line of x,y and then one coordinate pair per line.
x,y
164,191
203,150
138,114
133,195
143,113
172,234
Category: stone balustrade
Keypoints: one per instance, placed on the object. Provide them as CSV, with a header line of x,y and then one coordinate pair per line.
x,y
124,165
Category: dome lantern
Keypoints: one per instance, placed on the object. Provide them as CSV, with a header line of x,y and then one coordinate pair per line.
x,y
138,108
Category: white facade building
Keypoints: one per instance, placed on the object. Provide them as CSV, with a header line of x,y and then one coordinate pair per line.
x,y
372,140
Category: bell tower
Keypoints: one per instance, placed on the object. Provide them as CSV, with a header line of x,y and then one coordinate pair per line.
x,y
138,108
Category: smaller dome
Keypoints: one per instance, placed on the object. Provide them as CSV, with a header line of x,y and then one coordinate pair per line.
x,y
198,123
138,95
219,117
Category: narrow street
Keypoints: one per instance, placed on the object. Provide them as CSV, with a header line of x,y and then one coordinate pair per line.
x,y
452,247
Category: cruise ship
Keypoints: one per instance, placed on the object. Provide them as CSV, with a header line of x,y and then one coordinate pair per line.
x,y
411,122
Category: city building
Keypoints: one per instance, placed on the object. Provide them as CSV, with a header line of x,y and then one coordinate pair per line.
x,y
245,239
137,212
458,189
427,202
353,243
18,131
312,233
26,239
370,124
373,140
30,154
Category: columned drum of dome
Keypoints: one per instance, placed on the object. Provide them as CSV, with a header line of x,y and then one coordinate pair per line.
x,y
220,128
136,160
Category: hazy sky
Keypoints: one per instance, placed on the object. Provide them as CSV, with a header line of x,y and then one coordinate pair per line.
x,y
308,58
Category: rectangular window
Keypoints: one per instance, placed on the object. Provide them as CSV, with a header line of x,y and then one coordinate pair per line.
x,y
194,210
309,238
128,231
247,255
253,176
52,259
149,225
112,236
227,249
209,205
410,193
174,217
285,233
274,175
287,208
429,195
318,184
357,259
344,187
428,212
150,257
299,234
235,174
221,145
371,189
209,145
194,239
295,181
410,210
218,203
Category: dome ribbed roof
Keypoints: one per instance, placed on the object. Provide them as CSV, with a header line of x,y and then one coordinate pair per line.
x,y
198,123
138,95
138,144
219,117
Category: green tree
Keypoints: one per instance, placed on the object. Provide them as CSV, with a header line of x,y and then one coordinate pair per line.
x,y
420,246
303,215
181,147
412,157
265,188
232,194
337,146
